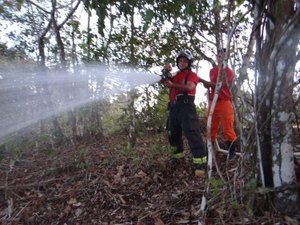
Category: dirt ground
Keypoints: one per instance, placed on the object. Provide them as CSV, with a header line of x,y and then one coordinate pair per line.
x,y
101,181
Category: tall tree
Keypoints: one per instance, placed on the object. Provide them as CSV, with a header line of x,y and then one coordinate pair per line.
x,y
276,57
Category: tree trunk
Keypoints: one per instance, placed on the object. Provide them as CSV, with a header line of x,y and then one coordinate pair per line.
x,y
276,60
132,120
281,122
96,119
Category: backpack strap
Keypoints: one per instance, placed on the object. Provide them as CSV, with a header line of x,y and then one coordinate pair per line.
x,y
186,80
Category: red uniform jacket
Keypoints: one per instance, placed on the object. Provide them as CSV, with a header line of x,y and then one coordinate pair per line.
x,y
179,78
225,93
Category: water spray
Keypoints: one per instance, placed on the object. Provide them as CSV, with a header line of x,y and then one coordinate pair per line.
x,y
28,96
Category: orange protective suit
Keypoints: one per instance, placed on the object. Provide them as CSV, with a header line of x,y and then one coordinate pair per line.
x,y
224,113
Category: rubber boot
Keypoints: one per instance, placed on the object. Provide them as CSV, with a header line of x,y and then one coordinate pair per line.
x,y
230,145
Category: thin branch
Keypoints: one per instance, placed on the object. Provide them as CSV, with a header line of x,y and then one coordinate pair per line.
x,y
39,7
70,14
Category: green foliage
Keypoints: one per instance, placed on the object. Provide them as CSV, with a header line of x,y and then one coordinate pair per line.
x,y
216,185
108,161
19,4
149,15
129,151
9,54
56,135
74,24
234,205
148,18
251,184
158,148
202,109
153,115
148,43
16,148
79,159
240,2
115,117
162,27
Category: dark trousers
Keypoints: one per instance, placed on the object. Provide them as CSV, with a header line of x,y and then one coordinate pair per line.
x,y
183,119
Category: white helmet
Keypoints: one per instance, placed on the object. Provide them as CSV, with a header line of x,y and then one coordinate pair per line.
x,y
187,54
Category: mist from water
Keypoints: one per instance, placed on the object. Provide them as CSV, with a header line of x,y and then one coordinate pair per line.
x,y
27,96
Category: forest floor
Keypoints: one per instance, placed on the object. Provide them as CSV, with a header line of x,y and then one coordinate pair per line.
x,y
101,181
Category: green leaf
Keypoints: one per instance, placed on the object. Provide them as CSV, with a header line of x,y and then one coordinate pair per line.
x,y
252,184
19,4
234,205
149,15
74,24
216,184
145,27
240,2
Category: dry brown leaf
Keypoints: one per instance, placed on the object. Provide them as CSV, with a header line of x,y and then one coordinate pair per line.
x,y
139,223
290,220
83,195
78,212
120,173
158,221
122,199
67,210
141,174
72,201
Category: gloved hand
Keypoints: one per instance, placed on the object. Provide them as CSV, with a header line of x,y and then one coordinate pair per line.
x,y
166,75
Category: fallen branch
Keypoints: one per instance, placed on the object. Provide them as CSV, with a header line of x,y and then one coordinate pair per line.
x,y
36,184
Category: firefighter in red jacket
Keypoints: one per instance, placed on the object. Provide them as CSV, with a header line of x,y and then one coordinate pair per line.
x,y
183,116
223,113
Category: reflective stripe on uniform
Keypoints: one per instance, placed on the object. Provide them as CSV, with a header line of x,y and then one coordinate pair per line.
x,y
178,155
200,161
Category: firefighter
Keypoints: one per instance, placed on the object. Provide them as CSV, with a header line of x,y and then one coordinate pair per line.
x,y
223,113
183,118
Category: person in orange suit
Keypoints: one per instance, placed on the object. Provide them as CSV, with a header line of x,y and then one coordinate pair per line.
x,y
223,113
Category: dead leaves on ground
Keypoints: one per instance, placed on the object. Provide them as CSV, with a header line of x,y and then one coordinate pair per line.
x,y
111,189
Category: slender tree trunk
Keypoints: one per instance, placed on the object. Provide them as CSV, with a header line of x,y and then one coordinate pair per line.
x,y
132,121
89,36
131,109
96,119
